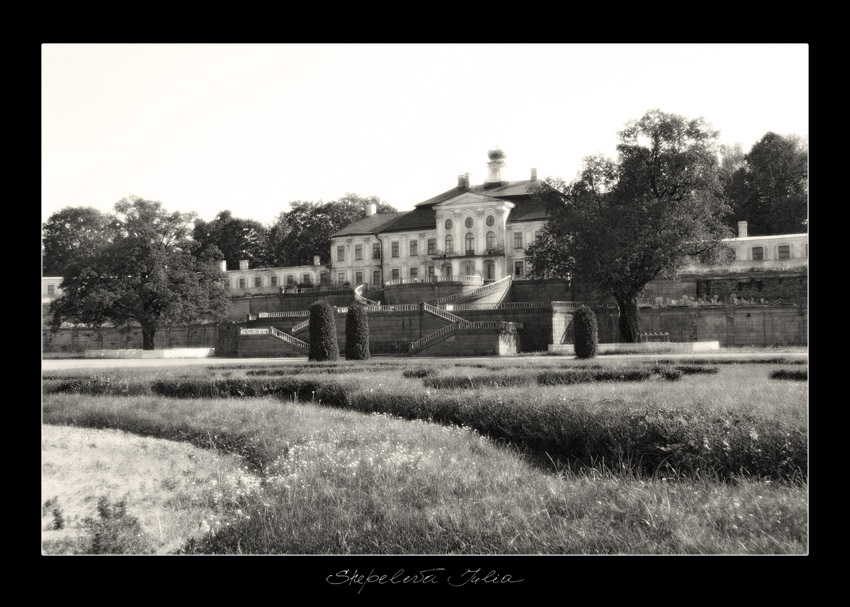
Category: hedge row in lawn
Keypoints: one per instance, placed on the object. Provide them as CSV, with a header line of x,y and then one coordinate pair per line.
x,y
792,374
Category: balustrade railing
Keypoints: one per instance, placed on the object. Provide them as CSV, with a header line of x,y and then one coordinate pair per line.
x,y
485,290
294,341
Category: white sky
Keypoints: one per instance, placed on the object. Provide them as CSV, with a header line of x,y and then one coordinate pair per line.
x,y
250,128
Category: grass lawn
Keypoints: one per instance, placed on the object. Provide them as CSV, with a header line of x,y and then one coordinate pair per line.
x,y
360,458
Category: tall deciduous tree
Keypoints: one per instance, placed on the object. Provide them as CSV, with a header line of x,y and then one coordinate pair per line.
x,y
627,222
73,234
151,274
236,238
305,230
771,190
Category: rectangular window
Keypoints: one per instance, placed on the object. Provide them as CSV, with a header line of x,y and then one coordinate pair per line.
x,y
394,252
432,246
414,272
340,253
519,269
758,254
395,274
430,272
784,251
537,234
340,277
517,240
290,279
324,278
358,251
51,289
376,250
414,248
258,281
307,279
273,281
376,277
243,283
358,278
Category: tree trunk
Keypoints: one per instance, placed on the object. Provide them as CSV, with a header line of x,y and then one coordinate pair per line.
x,y
629,318
148,333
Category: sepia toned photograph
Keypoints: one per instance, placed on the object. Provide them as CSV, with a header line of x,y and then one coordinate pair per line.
x,y
444,300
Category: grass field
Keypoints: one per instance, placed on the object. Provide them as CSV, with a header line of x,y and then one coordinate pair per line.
x,y
376,458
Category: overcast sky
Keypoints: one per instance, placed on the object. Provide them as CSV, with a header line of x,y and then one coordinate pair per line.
x,y
250,128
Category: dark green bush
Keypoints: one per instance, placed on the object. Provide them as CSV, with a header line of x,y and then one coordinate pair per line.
x,y
421,372
792,374
696,369
356,334
468,382
586,334
323,345
577,376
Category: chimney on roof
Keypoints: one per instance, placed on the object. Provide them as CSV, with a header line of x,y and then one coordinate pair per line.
x,y
371,209
533,174
243,264
494,167
463,181
316,260
742,229
223,265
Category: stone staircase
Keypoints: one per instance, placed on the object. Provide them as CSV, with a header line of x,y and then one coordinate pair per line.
x,y
494,292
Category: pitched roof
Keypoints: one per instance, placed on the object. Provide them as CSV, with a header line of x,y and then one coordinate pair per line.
x,y
423,216
370,225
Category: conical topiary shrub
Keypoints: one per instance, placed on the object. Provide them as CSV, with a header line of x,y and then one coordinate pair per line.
x,y
356,334
323,344
586,335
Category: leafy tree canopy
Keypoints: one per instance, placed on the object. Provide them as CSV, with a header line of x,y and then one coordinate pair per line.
x,y
622,224
72,234
237,239
770,191
305,230
151,273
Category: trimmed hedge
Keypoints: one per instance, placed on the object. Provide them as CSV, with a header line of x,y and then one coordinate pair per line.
x,y
696,369
467,382
578,376
421,372
586,333
792,374
356,334
323,344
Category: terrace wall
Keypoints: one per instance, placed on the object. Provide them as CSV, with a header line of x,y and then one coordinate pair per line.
x,y
740,325
496,342
79,339
553,289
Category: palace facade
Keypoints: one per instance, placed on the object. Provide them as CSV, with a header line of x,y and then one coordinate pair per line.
x,y
467,232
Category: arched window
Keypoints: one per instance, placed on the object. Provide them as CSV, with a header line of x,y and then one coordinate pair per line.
x,y
450,244
470,243
491,241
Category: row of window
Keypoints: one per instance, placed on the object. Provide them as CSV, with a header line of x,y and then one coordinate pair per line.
x,y
413,250
783,251
413,272
274,281
468,222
